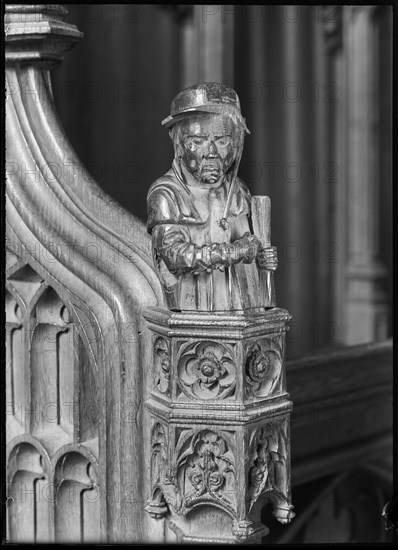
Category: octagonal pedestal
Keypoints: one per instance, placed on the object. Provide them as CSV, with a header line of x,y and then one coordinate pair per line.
x,y
219,423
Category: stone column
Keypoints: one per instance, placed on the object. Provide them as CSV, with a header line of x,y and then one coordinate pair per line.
x,y
366,301
207,38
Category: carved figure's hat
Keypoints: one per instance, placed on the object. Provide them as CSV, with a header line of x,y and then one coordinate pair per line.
x,y
208,97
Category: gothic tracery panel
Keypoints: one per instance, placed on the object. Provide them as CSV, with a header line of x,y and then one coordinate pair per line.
x,y
28,497
77,510
14,355
52,365
50,376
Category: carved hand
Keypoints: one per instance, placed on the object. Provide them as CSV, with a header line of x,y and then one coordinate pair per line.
x,y
267,258
244,249
180,255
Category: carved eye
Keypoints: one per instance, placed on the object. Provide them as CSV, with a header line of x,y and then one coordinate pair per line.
x,y
223,141
195,142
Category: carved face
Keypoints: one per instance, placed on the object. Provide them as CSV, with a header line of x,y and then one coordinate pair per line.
x,y
209,146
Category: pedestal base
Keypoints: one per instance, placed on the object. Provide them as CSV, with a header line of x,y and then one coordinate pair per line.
x,y
220,423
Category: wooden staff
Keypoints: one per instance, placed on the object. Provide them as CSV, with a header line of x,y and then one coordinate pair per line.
x,y
261,220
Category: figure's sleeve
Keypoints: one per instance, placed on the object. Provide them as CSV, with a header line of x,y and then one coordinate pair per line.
x,y
172,243
161,208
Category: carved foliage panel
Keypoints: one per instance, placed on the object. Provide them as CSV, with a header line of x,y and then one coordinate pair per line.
x,y
228,470
264,374
193,467
269,464
206,370
205,468
200,370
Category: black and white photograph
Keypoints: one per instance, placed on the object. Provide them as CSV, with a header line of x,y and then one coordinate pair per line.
x,y
198,229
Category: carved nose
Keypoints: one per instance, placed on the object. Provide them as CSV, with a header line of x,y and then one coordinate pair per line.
x,y
212,150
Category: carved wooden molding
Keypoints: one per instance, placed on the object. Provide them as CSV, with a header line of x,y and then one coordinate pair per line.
x,y
89,250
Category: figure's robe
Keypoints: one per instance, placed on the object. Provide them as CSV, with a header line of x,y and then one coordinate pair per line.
x,y
183,218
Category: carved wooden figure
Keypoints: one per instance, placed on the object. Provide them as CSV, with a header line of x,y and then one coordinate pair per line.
x,y
199,212
218,406
118,401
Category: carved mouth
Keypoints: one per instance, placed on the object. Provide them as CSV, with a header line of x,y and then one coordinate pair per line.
x,y
211,166
211,169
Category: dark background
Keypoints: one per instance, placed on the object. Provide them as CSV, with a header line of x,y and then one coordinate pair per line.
x,y
116,85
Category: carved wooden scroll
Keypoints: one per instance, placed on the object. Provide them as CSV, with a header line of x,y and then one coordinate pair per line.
x,y
218,408
78,275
